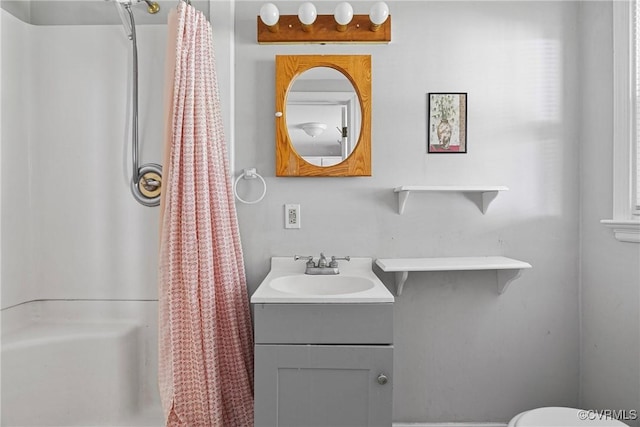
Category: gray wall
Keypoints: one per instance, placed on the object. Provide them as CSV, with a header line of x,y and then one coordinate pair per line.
x,y
610,297
463,353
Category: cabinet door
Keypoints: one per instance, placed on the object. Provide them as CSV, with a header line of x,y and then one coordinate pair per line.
x,y
323,386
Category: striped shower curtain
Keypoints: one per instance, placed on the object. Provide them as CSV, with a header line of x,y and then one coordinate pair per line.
x,y
205,339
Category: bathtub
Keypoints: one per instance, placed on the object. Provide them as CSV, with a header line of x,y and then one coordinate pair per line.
x,y
80,363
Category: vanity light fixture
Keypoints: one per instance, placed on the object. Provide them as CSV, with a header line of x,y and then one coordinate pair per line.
x,y
343,26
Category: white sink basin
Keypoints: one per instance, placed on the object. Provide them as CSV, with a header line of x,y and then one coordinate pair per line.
x,y
321,285
287,283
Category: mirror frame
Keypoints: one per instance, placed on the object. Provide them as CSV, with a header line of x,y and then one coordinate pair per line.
x,y
357,69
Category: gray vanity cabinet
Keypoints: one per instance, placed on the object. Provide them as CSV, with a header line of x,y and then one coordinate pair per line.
x,y
324,365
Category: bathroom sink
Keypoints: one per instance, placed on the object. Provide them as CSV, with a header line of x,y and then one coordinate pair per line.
x,y
287,283
321,285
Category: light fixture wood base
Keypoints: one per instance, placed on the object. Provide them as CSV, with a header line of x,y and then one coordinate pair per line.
x,y
323,31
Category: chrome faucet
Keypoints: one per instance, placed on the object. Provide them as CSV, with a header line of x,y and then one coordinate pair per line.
x,y
322,267
322,262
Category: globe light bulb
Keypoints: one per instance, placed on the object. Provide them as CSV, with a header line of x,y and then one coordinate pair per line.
x,y
378,14
307,13
343,14
269,14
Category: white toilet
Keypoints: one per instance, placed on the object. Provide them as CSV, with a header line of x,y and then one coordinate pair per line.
x,y
562,417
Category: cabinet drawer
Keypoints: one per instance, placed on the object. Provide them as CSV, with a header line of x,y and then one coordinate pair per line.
x,y
323,323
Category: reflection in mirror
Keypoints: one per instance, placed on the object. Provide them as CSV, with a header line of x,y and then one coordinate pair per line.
x,y
323,116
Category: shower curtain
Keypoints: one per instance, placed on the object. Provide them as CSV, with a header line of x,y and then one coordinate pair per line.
x,y
205,340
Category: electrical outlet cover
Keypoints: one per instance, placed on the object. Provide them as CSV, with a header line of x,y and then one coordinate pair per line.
x,y
291,216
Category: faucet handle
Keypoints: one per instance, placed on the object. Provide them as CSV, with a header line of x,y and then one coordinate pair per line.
x,y
309,259
334,261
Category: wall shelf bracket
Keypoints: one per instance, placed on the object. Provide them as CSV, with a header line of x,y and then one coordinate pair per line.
x,y
403,196
505,277
487,198
401,278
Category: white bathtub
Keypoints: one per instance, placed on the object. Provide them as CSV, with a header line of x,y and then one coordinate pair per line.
x,y
80,363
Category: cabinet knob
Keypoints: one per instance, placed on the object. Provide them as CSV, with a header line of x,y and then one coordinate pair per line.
x,y
382,379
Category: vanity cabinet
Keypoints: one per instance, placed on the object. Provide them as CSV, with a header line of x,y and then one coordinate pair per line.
x,y
323,364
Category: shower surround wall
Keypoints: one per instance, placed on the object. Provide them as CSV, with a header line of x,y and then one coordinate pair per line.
x,y
74,217
71,229
462,352
17,221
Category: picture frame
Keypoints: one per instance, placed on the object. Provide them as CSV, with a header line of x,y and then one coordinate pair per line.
x,y
447,122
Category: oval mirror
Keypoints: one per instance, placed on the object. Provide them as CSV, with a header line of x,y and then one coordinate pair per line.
x,y
323,116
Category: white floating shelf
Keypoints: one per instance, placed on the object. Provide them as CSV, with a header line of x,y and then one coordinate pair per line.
x,y
507,269
488,193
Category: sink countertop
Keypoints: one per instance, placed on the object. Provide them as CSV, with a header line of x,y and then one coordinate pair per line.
x,y
282,267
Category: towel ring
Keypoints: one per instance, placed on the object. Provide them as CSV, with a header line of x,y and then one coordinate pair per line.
x,y
249,174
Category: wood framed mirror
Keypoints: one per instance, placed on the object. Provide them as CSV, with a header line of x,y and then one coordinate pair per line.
x,y
323,115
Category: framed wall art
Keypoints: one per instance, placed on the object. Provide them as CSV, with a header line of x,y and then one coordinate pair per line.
x,y
447,122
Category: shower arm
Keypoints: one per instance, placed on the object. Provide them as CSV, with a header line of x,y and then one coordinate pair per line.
x,y
152,6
